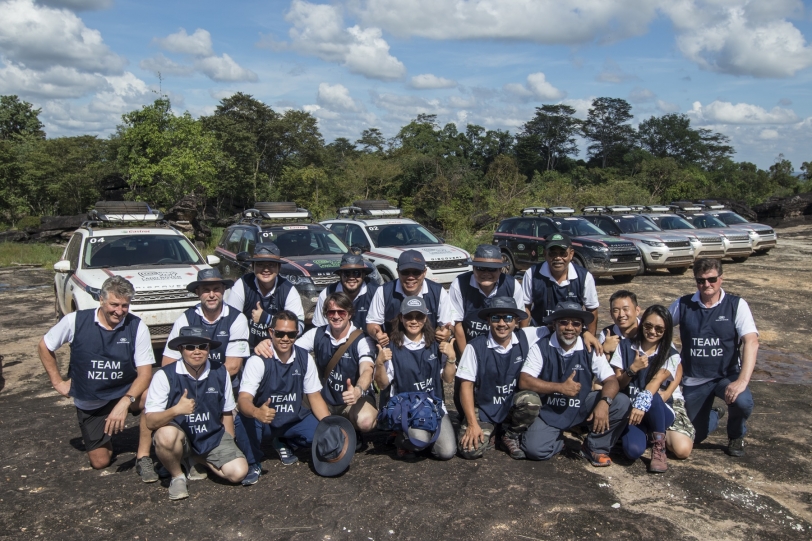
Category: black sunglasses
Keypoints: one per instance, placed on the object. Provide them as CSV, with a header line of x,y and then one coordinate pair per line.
x,y
283,334
354,273
508,318
575,323
410,272
711,280
486,269
193,347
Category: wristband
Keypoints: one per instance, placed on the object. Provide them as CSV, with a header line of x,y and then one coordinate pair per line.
x,y
643,400
631,373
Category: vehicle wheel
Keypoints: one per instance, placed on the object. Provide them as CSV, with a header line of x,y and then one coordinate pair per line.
x,y
678,270
385,275
739,259
578,260
643,268
275,206
511,267
623,278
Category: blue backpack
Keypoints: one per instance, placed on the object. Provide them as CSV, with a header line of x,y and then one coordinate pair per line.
x,y
412,410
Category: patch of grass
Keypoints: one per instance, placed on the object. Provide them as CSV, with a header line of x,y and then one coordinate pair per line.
x,y
469,241
29,254
216,233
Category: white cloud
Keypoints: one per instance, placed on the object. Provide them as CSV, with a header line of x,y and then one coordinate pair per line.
x,y
404,107
319,30
641,95
337,98
77,5
537,88
666,107
224,68
768,134
740,113
166,66
198,44
54,82
41,37
429,81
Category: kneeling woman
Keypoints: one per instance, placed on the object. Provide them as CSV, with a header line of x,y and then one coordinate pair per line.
x,y
645,364
414,362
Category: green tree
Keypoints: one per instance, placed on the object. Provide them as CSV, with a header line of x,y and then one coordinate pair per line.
x,y
607,127
783,174
19,118
548,137
671,136
372,140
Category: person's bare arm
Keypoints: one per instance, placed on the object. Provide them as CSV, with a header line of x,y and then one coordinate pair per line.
x,y
228,422
749,351
459,336
666,393
318,405
157,419
48,359
118,416
593,327
450,368
233,365
375,331
525,322
473,435
570,387
381,377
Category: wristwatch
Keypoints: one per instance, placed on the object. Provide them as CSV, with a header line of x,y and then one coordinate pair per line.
x,y
132,398
607,400
631,373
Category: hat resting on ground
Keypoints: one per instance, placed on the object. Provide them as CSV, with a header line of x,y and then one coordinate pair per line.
x,y
569,309
192,336
208,276
501,305
411,259
333,446
489,256
265,252
351,261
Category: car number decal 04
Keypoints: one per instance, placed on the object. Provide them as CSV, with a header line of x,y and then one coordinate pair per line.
x,y
95,240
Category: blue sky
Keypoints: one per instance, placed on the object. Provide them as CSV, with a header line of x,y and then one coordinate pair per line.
x,y
739,67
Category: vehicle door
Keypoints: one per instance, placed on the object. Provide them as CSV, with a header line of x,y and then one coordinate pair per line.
x,y
248,241
339,230
544,230
609,225
523,242
64,287
357,237
227,251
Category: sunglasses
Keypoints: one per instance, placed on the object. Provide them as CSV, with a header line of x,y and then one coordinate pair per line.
x,y
410,272
269,266
486,269
194,347
575,323
414,316
337,313
507,318
351,273
711,280
651,327
283,334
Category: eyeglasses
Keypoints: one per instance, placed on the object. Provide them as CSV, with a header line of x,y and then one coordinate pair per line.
x,y
266,265
575,323
651,327
354,273
554,254
283,334
410,272
710,280
486,269
507,318
414,316
337,313
194,347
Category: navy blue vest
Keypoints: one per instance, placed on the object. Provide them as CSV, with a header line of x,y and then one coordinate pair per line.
x,y
547,292
638,382
418,371
102,362
496,377
347,367
473,301
710,342
203,427
360,303
220,331
558,410
271,305
393,299
284,385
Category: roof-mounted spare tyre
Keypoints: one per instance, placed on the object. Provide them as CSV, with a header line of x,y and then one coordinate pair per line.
x,y
275,206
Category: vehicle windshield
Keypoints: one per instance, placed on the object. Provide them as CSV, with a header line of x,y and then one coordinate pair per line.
x,y
578,226
673,222
635,224
296,241
704,221
400,235
139,250
731,218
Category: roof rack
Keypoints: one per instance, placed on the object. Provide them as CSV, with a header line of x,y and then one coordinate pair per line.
x,y
657,208
686,206
370,207
619,209
560,211
123,211
534,211
711,204
593,209
271,210
637,208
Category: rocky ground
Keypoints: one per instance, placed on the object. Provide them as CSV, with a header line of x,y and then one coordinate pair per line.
x,y
47,489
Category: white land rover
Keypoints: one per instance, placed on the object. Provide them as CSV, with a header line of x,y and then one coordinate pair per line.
x,y
378,230
129,239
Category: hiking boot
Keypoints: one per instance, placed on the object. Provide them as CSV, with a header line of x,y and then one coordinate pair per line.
x,y
391,438
285,454
194,471
658,459
404,454
720,411
177,488
513,446
735,447
599,460
251,478
145,469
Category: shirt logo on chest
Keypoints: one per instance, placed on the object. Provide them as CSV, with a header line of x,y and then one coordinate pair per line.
x,y
211,390
519,359
222,333
722,318
296,372
123,340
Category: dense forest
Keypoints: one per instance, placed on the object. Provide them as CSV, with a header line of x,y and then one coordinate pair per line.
x,y
455,181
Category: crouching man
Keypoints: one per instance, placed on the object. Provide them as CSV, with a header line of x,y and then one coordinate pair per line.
x,y
560,370
190,407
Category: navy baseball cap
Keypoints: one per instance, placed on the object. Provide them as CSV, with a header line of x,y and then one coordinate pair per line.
x,y
411,259
558,239
413,304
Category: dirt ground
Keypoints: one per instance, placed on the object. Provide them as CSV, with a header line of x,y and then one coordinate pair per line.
x,y
48,490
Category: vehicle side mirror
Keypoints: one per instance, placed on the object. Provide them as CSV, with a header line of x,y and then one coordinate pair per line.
x,y
212,260
62,266
359,248
242,257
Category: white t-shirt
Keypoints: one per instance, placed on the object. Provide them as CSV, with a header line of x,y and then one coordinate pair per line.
x,y
235,296
671,364
158,392
377,308
365,346
458,306
745,324
255,369
469,363
535,362
238,333
64,332
590,292
318,315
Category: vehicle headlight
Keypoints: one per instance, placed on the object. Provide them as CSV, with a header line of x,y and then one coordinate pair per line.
x,y
297,279
655,243
596,248
93,292
753,235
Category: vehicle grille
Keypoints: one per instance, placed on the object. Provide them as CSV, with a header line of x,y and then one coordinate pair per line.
x,y
447,264
159,330
765,231
713,253
326,280
710,240
737,238
677,243
680,259
735,251
622,248
163,297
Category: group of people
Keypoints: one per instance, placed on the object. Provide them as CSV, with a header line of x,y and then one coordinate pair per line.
x,y
526,360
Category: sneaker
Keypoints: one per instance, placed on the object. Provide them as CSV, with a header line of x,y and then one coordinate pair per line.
x,y
513,447
177,488
285,454
599,460
720,411
194,471
735,447
251,478
146,469
658,462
